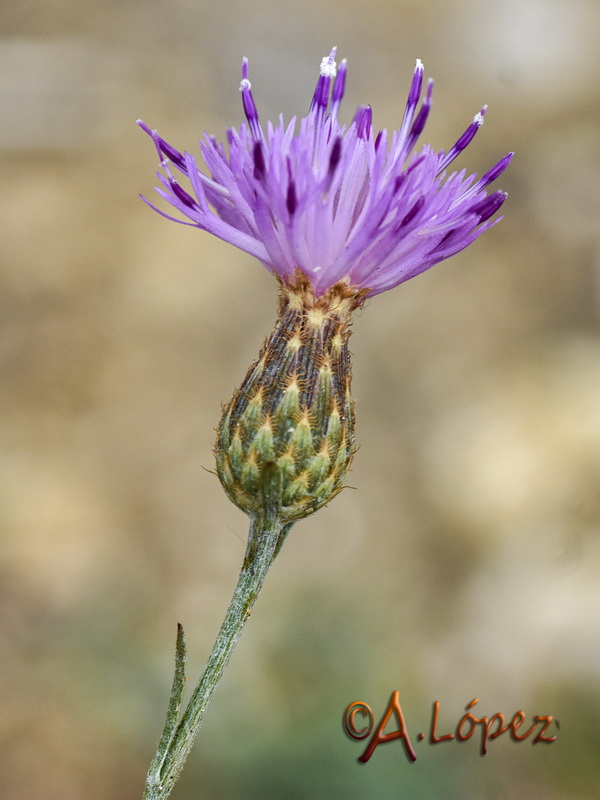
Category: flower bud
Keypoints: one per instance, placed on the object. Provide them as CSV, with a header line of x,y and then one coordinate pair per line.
x,y
286,438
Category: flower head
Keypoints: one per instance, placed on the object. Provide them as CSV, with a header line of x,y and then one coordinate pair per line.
x,y
336,203
338,214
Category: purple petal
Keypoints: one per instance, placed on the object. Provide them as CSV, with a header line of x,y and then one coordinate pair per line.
x,y
489,205
248,102
332,201
463,141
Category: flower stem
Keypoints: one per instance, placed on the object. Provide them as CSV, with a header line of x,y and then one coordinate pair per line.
x,y
265,538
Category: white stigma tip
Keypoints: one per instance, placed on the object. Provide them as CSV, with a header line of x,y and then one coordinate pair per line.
x,y
245,84
478,119
328,68
419,65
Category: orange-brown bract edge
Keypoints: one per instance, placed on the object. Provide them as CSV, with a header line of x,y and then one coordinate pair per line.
x,y
291,423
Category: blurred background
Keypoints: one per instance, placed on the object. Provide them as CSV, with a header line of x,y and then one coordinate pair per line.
x,y
465,561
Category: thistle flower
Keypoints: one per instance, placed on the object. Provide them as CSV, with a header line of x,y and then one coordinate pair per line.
x,y
338,214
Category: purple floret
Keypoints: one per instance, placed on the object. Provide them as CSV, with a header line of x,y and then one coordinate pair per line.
x,y
337,203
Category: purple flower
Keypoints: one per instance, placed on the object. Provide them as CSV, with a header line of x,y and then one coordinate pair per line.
x,y
335,202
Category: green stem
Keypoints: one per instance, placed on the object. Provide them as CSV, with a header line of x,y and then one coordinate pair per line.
x,y
265,538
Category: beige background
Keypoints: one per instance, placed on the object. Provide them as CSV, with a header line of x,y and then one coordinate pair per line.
x,y
465,562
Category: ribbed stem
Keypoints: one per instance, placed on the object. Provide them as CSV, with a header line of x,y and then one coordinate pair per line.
x,y
264,541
